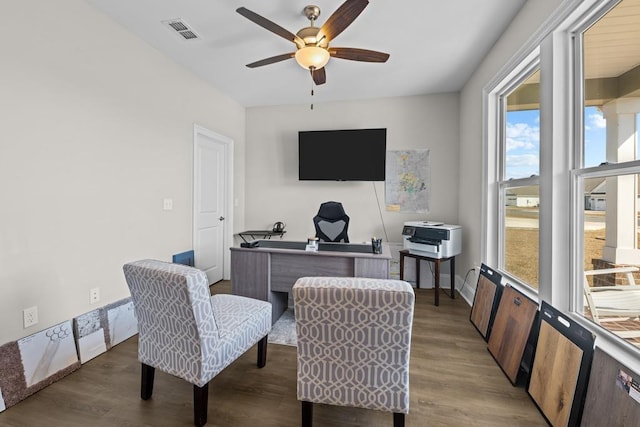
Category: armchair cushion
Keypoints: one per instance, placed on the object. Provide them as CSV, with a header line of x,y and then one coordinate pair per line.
x,y
241,322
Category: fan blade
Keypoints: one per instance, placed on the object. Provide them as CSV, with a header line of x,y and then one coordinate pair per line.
x,y
319,76
271,60
354,54
269,25
341,19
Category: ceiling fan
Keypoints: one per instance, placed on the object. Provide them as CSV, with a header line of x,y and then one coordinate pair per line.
x,y
312,43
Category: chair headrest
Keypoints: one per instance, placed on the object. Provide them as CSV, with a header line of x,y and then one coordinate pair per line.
x,y
331,210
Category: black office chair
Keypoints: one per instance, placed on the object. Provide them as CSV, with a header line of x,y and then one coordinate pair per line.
x,y
331,223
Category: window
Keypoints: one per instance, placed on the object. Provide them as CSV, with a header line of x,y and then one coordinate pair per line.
x,y
561,168
522,130
519,170
606,172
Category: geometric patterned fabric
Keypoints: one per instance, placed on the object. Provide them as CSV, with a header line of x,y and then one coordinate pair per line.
x,y
354,339
183,330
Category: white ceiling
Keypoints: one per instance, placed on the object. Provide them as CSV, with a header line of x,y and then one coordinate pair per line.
x,y
434,46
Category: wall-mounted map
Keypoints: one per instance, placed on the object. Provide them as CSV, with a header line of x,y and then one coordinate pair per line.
x,y
407,183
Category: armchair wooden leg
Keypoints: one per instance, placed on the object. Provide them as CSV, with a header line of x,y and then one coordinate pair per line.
x,y
307,414
146,384
200,401
262,352
398,419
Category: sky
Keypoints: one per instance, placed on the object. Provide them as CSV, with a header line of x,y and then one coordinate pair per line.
x,y
595,136
522,144
523,141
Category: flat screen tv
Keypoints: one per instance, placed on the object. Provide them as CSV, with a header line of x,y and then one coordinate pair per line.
x,y
342,155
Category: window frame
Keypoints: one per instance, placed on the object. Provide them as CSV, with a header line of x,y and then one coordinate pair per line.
x,y
560,278
579,173
495,182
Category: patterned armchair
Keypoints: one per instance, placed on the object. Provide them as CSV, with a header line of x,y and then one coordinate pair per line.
x,y
354,338
186,332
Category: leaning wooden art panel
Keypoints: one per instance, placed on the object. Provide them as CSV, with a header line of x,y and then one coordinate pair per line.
x,y
613,395
485,301
514,319
560,368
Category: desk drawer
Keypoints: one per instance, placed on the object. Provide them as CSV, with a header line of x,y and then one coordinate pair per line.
x,y
286,269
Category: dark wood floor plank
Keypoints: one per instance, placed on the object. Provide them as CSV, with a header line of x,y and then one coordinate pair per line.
x,y
453,381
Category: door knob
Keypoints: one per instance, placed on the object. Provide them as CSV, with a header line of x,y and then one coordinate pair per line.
x,y
221,218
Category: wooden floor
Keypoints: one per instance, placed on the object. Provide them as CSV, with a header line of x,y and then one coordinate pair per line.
x,y
454,382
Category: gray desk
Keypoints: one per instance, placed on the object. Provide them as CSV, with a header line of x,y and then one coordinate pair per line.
x,y
269,270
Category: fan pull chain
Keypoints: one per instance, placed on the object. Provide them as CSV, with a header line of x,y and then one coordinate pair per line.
x,y
312,84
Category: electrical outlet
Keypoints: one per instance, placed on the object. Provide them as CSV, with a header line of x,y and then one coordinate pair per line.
x,y
30,316
167,204
94,295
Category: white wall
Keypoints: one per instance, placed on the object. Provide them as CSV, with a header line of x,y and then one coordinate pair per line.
x,y
95,130
528,20
273,192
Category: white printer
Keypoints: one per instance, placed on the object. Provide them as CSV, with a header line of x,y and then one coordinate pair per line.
x,y
432,239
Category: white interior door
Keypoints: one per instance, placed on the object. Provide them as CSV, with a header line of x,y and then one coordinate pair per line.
x,y
210,201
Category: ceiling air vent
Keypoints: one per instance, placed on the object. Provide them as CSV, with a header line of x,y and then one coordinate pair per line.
x,y
181,28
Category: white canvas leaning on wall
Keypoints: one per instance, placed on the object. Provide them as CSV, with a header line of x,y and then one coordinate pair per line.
x,y
90,335
47,352
123,323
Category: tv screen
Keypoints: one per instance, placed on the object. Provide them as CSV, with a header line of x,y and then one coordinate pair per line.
x,y
342,155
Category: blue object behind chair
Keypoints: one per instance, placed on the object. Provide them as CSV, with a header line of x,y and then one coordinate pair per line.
x,y
185,258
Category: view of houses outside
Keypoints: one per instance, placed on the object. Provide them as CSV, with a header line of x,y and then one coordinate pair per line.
x,y
522,160
608,54
523,141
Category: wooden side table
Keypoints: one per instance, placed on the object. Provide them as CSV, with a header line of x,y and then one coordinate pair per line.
x,y
436,261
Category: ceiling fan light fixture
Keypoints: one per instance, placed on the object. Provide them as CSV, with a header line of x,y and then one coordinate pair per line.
x,y
312,42
312,57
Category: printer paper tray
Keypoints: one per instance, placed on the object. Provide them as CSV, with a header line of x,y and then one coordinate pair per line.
x,y
432,251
